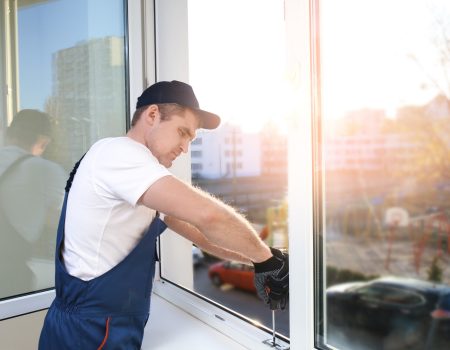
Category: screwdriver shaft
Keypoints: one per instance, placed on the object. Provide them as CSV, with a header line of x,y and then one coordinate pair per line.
x,y
273,327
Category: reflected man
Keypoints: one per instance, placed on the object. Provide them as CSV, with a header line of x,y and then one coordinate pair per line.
x,y
31,193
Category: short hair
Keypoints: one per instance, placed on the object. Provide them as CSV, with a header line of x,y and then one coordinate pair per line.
x,y
26,127
166,111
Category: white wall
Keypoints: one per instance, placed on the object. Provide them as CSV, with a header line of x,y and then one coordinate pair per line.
x,y
21,332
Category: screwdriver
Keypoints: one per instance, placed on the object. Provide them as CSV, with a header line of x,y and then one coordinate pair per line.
x,y
273,342
273,328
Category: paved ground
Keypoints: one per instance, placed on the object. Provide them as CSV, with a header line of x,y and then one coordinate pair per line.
x,y
370,256
243,302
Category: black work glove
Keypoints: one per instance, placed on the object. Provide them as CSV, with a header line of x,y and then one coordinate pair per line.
x,y
272,280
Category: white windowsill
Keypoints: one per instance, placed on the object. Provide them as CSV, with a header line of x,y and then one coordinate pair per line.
x,y
169,327
176,311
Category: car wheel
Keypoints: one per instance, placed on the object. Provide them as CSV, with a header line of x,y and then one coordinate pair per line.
x,y
216,280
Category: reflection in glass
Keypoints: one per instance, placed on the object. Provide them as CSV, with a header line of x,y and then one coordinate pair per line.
x,y
31,193
244,162
386,161
67,91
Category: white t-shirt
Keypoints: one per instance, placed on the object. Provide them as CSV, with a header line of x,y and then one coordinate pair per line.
x,y
103,221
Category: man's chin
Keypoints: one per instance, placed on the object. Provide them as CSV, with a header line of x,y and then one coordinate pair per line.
x,y
165,163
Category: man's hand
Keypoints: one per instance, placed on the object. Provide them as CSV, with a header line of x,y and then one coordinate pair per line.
x,y
272,280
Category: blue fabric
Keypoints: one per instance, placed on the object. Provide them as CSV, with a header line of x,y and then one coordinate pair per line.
x,y
107,312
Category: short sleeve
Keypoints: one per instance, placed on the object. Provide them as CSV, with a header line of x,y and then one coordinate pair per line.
x,y
124,169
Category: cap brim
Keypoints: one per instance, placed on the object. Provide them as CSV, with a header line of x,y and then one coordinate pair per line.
x,y
207,120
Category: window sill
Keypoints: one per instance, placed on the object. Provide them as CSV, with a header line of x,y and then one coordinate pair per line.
x,y
169,327
180,318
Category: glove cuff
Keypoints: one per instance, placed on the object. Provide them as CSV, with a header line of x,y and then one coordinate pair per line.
x,y
273,263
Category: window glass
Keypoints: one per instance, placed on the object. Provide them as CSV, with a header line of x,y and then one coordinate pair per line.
x,y
237,70
64,64
384,201
402,297
381,294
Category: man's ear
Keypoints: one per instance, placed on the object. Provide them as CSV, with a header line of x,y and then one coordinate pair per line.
x,y
40,145
151,114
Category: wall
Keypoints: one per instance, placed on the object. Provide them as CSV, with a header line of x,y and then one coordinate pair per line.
x,y
21,332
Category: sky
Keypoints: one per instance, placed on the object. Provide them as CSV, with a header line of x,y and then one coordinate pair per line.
x,y
51,26
238,54
366,53
237,59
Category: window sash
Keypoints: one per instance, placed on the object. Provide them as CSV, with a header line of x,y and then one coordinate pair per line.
x,y
38,300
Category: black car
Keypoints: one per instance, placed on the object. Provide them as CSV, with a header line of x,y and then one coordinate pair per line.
x,y
390,313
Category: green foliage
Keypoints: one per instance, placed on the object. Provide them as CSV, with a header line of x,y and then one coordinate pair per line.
x,y
435,271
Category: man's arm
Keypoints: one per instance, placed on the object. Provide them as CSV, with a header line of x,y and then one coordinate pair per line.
x,y
220,224
193,234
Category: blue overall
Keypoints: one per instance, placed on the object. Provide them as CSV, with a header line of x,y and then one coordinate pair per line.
x,y
109,311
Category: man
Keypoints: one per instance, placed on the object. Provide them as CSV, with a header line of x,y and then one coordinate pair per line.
x,y
105,265
31,193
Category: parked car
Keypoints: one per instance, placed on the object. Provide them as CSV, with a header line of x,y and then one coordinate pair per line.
x,y
237,274
197,256
400,310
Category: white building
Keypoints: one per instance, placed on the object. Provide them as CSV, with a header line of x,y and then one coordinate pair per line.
x,y
366,151
226,152
88,79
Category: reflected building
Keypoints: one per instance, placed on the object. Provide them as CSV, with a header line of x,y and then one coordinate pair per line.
x,y
274,152
87,96
247,170
438,108
387,164
368,142
367,152
227,153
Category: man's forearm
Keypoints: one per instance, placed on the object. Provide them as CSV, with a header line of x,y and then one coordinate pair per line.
x,y
226,254
193,234
218,222
230,230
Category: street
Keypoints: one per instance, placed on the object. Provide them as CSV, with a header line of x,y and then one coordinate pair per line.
x,y
245,303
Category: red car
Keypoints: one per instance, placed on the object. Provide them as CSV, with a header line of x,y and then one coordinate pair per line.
x,y
237,274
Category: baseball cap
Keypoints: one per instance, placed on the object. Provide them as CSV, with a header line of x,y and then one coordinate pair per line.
x,y
180,93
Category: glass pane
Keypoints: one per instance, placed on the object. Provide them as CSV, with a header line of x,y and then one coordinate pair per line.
x,y
385,123
237,70
70,88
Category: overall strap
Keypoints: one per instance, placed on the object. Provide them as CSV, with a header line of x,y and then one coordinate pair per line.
x,y
72,174
14,165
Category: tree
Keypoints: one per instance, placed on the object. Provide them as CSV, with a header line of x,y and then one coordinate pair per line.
x,y
435,271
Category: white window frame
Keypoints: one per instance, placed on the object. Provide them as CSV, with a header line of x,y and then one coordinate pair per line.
x,y
171,63
8,62
168,53
41,300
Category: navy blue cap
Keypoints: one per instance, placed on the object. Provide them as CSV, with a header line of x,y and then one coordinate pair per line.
x,y
180,93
